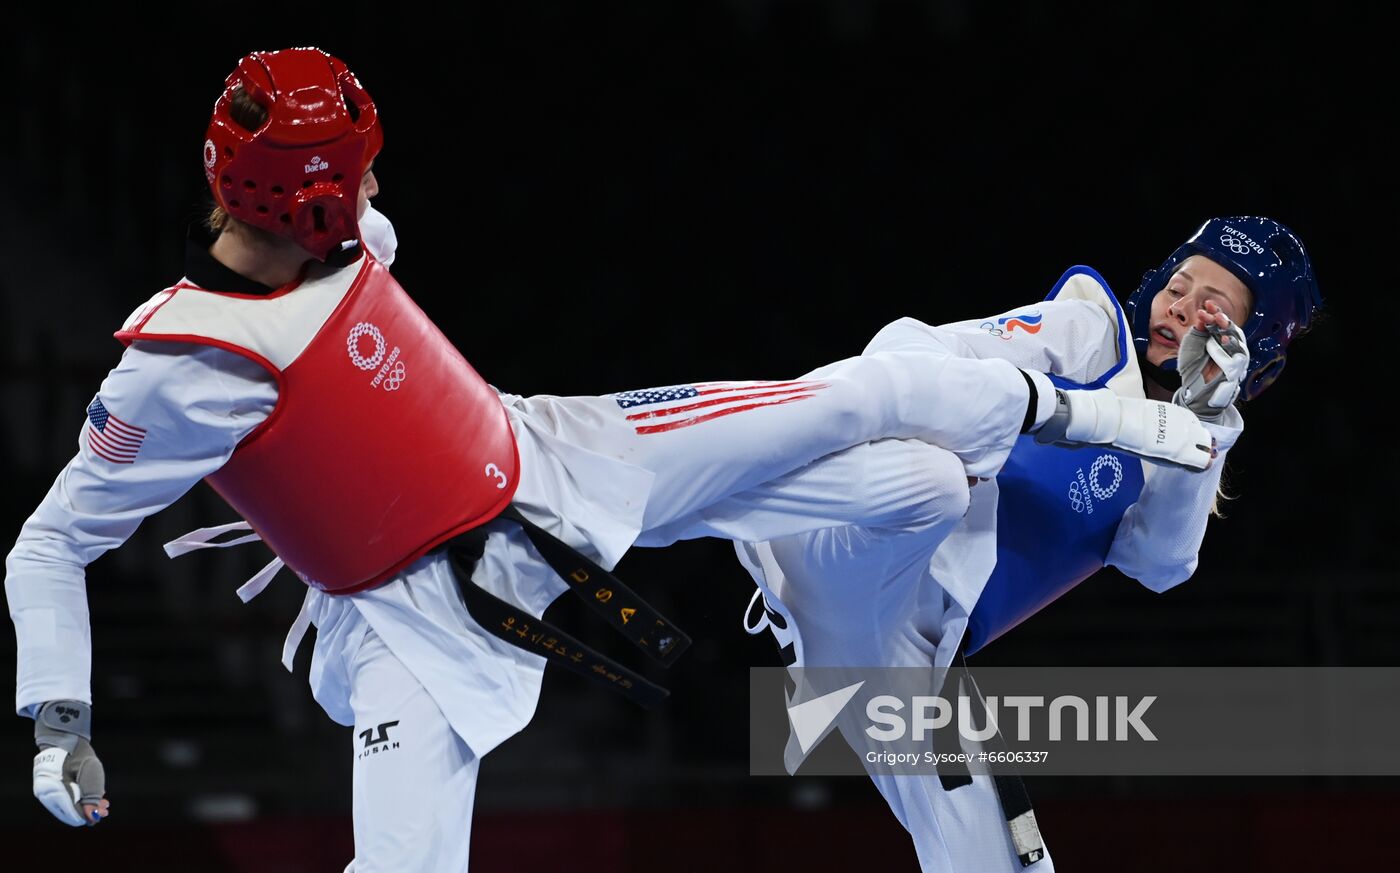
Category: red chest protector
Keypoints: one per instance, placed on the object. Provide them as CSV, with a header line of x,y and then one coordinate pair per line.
x,y
384,442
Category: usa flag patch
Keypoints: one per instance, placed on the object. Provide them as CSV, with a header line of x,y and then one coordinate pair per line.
x,y
676,406
111,438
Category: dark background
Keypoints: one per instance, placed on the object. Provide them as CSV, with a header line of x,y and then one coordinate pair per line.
x,y
593,197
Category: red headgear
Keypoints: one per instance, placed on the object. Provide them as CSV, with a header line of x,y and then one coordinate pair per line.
x,y
299,174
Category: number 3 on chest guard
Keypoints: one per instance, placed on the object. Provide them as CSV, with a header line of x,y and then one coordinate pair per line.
x,y
495,472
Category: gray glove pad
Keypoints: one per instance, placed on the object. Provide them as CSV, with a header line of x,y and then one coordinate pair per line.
x,y
85,769
62,723
1209,398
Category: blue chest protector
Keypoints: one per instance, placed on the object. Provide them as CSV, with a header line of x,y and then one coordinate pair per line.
x,y
1057,514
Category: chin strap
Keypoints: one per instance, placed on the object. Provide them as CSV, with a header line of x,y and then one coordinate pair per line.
x,y
1168,379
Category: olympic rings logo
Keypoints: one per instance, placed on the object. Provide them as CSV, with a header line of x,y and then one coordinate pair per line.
x,y
1076,499
352,345
394,380
1237,246
1116,466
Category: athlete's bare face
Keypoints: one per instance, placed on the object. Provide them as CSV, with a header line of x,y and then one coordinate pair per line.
x,y
1198,292
369,187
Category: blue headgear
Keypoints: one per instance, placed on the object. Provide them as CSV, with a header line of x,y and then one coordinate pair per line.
x,y
1269,259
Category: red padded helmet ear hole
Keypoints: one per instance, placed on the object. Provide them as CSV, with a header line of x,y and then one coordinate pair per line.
x,y
307,184
249,185
277,191
318,215
228,152
226,181
262,210
233,204
338,178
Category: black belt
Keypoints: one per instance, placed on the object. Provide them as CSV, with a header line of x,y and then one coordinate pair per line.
x,y
1010,789
602,591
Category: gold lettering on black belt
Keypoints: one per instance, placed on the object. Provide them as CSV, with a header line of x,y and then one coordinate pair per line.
x,y
520,629
606,594
602,591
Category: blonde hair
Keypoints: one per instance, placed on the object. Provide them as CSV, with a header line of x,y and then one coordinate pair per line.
x,y
1221,495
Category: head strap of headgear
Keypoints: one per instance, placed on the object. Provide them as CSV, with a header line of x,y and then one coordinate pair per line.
x,y
1272,263
298,175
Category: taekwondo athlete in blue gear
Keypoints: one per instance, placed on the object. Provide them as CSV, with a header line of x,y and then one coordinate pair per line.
x,y
1047,545
1147,520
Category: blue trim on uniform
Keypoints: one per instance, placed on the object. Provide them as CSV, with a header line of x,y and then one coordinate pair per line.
x,y
1124,336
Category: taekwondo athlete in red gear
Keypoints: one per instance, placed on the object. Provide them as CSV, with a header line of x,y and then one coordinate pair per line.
x,y
953,567
215,374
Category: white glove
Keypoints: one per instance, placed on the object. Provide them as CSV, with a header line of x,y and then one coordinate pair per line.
x,y
1150,429
1209,398
67,773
